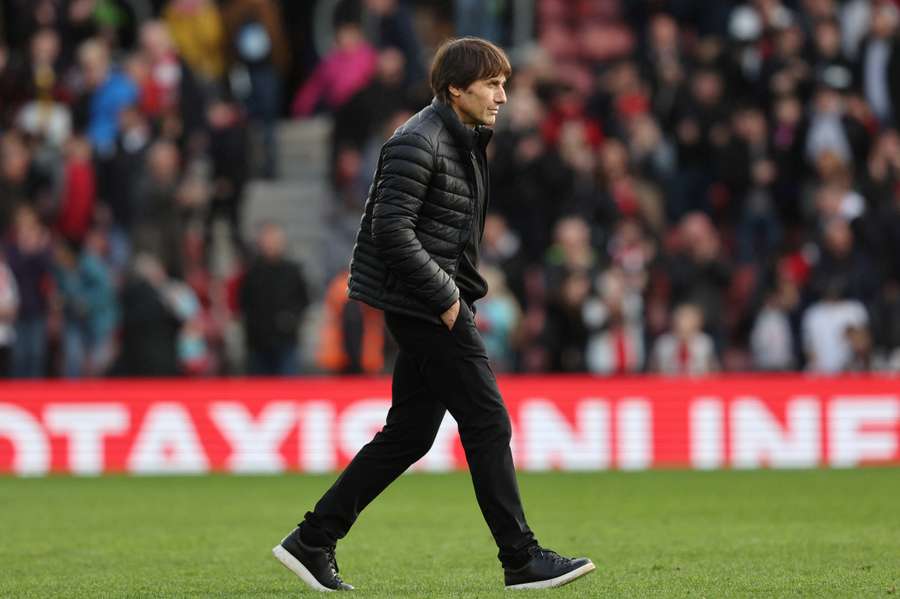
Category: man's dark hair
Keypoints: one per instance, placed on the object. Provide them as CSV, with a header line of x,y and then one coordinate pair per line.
x,y
461,62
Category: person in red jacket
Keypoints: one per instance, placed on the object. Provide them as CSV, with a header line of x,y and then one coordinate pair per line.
x,y
79,191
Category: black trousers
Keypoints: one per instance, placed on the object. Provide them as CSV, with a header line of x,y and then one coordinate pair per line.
x,y
437,370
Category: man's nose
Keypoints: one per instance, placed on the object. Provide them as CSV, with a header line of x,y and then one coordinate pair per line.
x,y
500,98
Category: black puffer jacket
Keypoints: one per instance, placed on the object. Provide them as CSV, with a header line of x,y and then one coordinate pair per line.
x,y
418,217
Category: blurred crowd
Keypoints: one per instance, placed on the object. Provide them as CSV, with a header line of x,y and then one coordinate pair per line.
x,y
128,133
678,186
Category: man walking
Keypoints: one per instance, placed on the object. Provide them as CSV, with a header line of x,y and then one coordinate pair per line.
x,y
416,258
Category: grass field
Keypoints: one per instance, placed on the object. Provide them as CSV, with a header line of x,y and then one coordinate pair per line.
x,y
652,534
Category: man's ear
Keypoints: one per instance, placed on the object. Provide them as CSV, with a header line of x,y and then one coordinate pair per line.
x,y
454,91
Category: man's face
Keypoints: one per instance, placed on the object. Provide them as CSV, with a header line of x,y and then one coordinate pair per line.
x,y
272,242
479,103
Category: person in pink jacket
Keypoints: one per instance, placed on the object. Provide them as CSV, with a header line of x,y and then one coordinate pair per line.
x,y
347,69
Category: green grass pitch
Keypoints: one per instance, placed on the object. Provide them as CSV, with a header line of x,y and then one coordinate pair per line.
x,y
652,534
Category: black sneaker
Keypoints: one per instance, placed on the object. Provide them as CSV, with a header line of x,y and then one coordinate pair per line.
x,y
315,566
547,569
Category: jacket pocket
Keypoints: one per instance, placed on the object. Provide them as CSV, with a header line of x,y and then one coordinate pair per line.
x,y
463,309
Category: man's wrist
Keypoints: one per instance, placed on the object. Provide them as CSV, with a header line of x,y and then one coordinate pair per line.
x,y
447,305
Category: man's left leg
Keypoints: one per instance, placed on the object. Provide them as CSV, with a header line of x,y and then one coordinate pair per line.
x,y
409,431
411,426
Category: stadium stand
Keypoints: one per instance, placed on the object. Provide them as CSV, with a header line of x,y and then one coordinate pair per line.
x,y
678,186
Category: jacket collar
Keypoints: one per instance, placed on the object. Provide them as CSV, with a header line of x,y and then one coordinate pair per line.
x,y
466,137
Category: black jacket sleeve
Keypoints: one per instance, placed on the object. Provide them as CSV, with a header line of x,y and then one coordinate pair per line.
x,y
406,168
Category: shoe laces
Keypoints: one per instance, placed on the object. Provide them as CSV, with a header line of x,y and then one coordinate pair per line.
x,y
548,554
332,560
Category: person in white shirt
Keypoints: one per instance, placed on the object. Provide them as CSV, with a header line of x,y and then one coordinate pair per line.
x,y
825,326
686,350
772,340
615,322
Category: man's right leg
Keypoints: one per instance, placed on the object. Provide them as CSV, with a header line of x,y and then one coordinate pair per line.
x,y
411,426
455,363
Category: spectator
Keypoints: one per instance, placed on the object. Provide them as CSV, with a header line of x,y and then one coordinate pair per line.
x,y
29,258
565,332
17,177
825,324
786,152
879,64
78,193
749,172
197,31
829,64
665,69
9,91
786,71
526,179
164,74
44,60
111,92
352,333
772,339
686,350
348,181
393,28
886,327
273,297
228,140
700,274
159,226
44,117
663,57
615,319
89,309
632,252
831,129
259,59
882,171
359,118
571,253
126,172
501,248
624,194
700,132
193,355
150,322
498,320
480,19
653,158
579,158
859,340
840,258
82,22
347,69
883,176
9,306
855,18
171,93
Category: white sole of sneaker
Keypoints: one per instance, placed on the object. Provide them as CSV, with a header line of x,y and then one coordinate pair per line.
x,y
293,564
554,582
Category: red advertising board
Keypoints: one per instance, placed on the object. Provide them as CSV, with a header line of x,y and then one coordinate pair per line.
x,y
568,423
